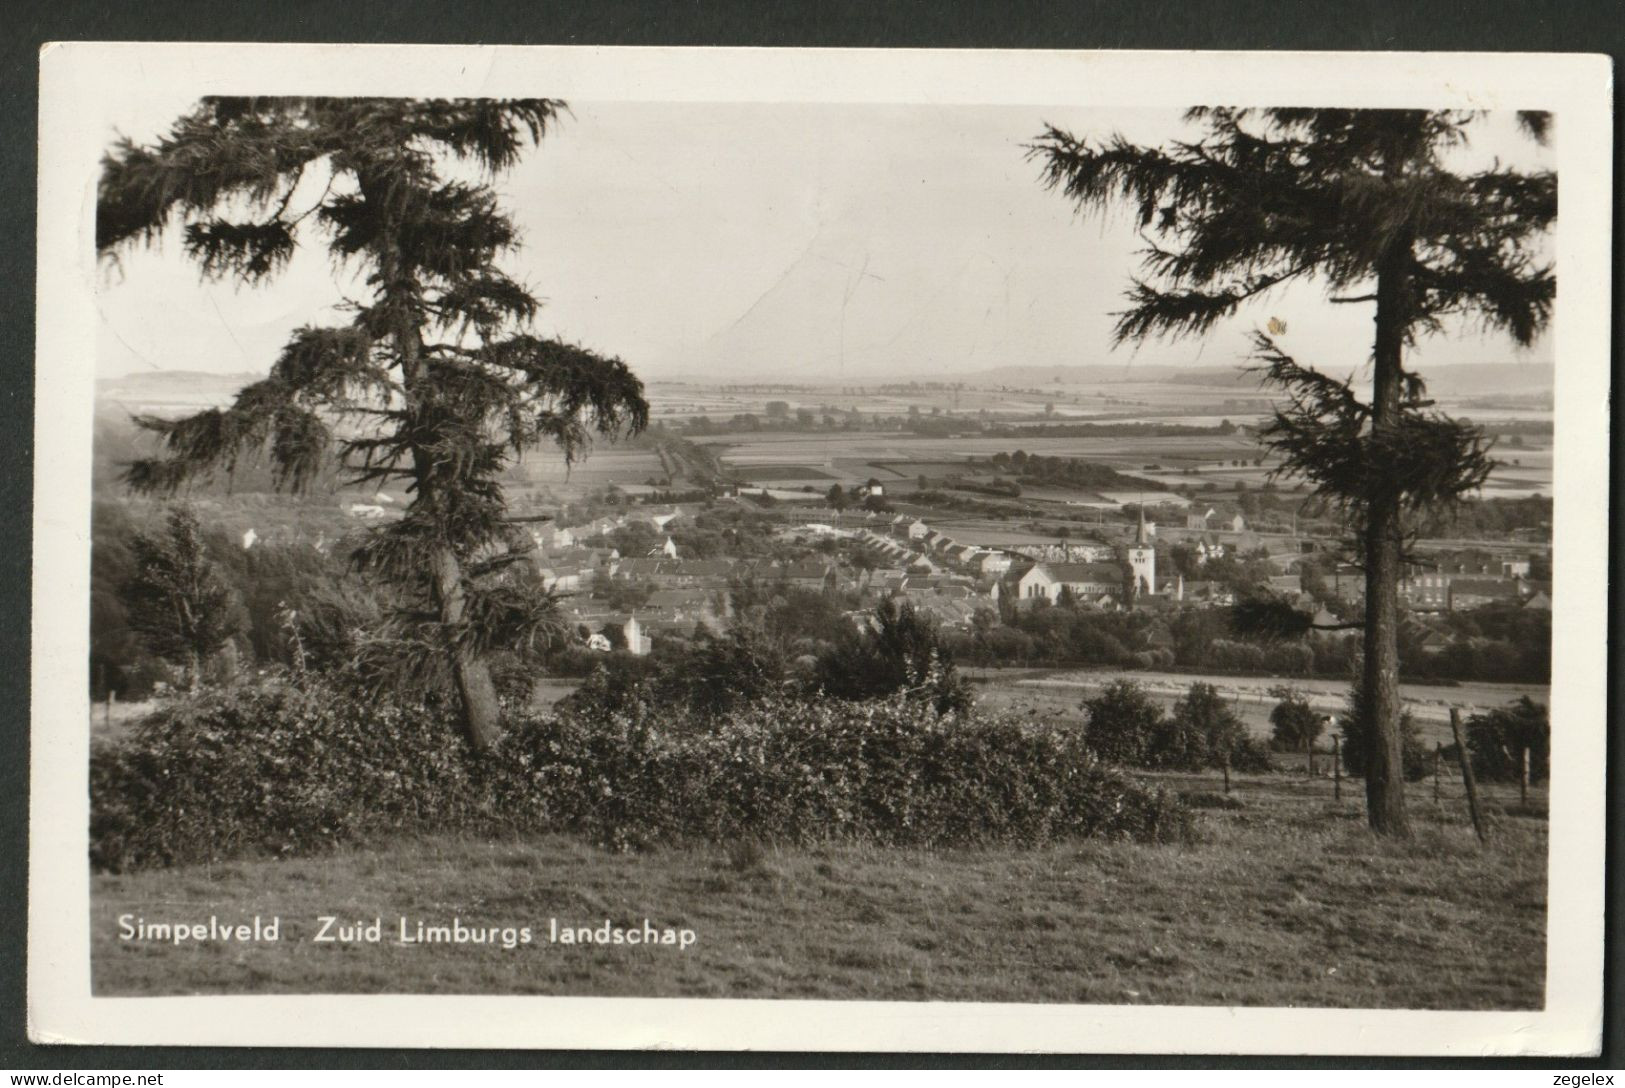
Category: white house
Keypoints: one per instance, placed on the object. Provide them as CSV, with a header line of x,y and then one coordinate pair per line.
x,y
994,563
1083,580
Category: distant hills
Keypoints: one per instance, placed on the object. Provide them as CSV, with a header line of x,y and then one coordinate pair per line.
x,y
157,389
193,389
1459,379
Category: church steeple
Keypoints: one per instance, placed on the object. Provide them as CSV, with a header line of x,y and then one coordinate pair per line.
x,y
1142,560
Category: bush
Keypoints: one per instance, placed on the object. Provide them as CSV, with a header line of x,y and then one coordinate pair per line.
x,y
272,770
901,650
1203,732
1122,720
1496,741
1294,723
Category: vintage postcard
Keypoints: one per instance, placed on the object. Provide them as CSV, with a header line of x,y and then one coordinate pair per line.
x,y
834,550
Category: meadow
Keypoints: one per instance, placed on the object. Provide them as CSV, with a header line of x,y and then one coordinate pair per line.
x,y
1285,899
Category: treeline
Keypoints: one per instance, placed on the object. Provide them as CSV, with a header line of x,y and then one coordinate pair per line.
x,y
932,423
1492,644
1494,517
1069,472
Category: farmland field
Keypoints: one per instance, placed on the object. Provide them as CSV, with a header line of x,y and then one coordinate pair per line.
x,y
1285,900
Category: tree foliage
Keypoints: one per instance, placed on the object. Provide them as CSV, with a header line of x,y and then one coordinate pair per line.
x,y
1497,739
1270,196
1122,720
437,381
1201,732
900,650
1369,205
1294,724
175,598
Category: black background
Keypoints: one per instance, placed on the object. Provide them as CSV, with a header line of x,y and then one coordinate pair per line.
x,y
1474,25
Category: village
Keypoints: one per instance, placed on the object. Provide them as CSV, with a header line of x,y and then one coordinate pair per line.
x,y
615,598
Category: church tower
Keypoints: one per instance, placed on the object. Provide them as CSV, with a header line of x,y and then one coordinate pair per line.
x,y
1142,562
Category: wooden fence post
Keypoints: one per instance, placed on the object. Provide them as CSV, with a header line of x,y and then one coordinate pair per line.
x,y
1466,773
1227,774
1337,769
1523,779
1438,755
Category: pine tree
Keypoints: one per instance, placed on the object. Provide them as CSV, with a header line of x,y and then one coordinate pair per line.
x,y
436,381
1366,203
176,600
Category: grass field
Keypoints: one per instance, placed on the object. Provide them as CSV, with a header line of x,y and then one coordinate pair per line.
x,y
1285,900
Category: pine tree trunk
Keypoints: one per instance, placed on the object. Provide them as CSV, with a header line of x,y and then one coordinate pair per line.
x,y
481,712
1379,678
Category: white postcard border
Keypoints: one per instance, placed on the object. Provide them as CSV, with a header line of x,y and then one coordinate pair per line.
x,y
76,77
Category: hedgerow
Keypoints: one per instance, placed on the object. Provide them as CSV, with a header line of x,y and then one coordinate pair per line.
x,y
273,769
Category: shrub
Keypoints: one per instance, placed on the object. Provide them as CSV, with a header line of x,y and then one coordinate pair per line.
x,y
1202,732
901,650
271,769
1496,740
1122,719
1294,723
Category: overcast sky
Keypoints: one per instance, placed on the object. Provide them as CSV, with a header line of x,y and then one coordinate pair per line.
x,y
820,243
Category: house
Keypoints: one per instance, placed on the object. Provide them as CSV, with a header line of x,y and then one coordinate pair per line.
x,y
686,606
561,538
949,612
1425,592
1539,601
887,583
1287,584
917,529
993,564
562,579
1434,642
1470,593
1210,593
1081,579
818,575
636,569
1322,622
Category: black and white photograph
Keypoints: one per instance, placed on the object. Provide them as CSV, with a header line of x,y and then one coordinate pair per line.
x,y
1049,551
